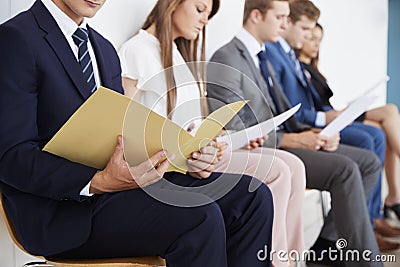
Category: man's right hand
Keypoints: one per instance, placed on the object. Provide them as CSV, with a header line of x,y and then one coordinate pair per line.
x,y
306,140
118,176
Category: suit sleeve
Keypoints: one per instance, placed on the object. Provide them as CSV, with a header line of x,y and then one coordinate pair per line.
x,y
23,165
307,116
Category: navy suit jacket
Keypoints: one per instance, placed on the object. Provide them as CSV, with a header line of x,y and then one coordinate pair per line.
x,y
41,86
292,87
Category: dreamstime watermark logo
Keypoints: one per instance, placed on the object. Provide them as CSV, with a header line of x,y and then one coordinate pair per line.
x,y
341,253
154,95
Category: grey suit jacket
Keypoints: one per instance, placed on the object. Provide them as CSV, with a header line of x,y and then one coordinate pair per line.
x,y
233,76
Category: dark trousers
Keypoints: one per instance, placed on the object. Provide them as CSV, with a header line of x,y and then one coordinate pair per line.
x,y
373,139
349,174
230,231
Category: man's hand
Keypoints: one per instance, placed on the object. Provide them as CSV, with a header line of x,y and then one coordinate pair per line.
x,y
332,143
202,163
306,140
118,176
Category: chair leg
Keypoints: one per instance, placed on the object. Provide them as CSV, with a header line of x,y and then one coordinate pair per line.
x,y
325,199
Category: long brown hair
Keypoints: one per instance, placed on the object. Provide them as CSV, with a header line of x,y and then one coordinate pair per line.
x,y
161,16
314,61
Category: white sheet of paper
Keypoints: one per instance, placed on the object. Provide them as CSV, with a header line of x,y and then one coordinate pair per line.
x,y
351,113
241,138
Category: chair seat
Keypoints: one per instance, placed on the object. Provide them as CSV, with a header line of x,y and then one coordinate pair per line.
x,y
122,262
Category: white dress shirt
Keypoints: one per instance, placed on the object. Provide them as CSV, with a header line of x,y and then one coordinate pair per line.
x,y
252,45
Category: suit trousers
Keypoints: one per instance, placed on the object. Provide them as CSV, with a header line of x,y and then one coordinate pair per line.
x,y
284,174
230,231
349,174
373,139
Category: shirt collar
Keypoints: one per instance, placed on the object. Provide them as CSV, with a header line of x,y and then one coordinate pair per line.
x,y
285,45
66,24
251,43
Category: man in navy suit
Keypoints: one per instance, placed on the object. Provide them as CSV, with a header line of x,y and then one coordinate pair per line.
x,y
298,89
51,63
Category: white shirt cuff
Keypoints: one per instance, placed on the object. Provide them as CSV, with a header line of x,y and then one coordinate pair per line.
x,y
85,191
320,120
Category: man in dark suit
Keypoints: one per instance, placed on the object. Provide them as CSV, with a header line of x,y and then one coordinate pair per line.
x,y
297,87
348,173
51,63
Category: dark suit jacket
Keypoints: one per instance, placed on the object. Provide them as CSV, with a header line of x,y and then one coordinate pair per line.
x,y
291,85
41,87
232,76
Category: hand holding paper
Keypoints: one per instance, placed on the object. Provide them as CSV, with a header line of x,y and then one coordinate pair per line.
x,y
117,176
354,110
89,136
241,138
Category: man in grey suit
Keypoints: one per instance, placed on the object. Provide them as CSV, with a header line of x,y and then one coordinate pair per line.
x,y
348,173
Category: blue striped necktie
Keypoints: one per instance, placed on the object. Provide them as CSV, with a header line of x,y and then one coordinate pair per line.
x,y
80,38
297,66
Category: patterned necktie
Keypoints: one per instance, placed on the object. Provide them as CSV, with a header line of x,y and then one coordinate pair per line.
x,y
300,73
297,66
80,38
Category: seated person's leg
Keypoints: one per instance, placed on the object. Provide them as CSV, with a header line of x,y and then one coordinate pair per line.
x,y
133,223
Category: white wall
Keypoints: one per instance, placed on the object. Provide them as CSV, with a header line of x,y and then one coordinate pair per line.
x,y
353,53
354,49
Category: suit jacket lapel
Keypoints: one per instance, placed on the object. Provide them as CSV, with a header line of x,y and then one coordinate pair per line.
x,y
309,89
101,63
60,46
257,77
288,60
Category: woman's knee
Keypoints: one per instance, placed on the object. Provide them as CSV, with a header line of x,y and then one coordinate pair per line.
x,y
391,110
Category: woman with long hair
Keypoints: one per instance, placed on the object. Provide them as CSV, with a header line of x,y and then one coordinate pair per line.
x,y
170,40
385,117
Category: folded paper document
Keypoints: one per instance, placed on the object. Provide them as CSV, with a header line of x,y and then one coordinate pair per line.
x,y
241,138
352,112
90,135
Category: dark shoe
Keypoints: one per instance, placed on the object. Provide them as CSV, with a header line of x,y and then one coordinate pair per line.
x,y
385,245
323,258
395,209
383,228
